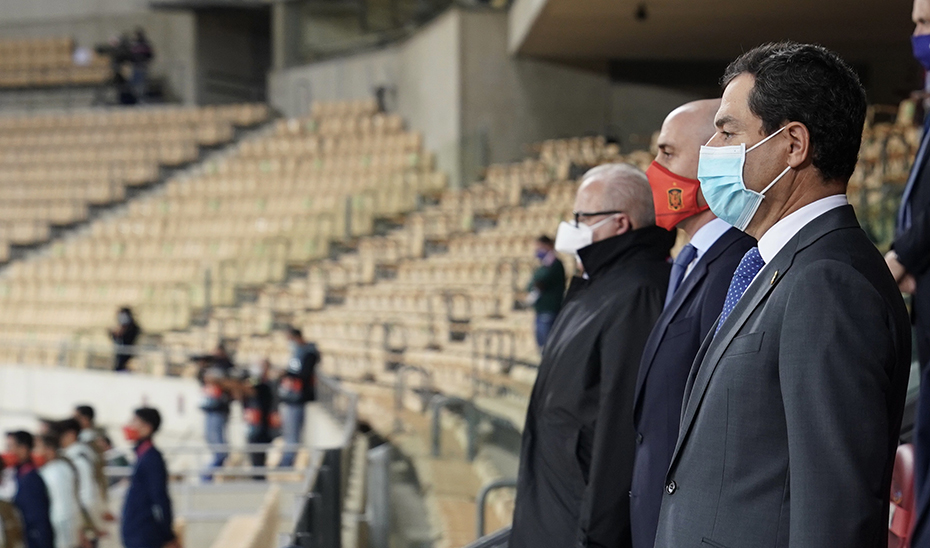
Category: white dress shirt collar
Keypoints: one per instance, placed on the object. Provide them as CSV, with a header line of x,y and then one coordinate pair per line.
x,y
705,238
776,237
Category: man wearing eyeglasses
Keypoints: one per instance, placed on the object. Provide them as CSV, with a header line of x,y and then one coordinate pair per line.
x,y
577,452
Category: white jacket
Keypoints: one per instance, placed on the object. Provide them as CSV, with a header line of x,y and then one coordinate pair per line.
x,y
64,511
84,459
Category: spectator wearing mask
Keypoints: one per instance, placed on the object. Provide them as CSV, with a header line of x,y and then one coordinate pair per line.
x,y
577,451
141,54
147,520
296,389
546,288
793,409
125,334
260,415
32,497
909,261
12,533
697,287
61,479
87,463
214,376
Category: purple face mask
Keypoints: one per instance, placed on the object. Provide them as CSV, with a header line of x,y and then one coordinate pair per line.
x,y
921,45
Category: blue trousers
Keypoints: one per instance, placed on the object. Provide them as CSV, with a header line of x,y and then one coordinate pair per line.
x,y
544,321
215,430
292,426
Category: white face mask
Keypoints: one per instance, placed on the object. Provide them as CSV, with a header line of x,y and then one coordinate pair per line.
x,y
570,238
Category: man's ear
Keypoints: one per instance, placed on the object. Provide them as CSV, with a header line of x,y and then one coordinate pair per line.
x,y
624,224
799,144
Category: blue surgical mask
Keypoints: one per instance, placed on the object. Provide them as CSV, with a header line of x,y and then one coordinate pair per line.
x,y
720,170
921,45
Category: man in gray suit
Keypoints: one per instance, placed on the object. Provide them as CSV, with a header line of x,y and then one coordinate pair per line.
x,y
793,407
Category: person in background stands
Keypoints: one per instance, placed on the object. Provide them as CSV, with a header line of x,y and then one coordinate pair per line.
x,y
577,451
909,261
31,498
296,389
61,479
259,412
87,463
696,290
546,288
147,520
214,376
141,55
125,334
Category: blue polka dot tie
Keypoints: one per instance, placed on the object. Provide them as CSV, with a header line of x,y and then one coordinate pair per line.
x,y
745,273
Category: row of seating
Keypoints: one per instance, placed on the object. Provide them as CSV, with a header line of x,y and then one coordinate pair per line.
x,y
202,241
142,118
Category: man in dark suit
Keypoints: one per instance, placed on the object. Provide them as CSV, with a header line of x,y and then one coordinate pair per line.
x,y
698,284
32,498
909,261
577,452
793,409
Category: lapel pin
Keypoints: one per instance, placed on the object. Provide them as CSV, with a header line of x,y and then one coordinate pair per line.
x,y
773,278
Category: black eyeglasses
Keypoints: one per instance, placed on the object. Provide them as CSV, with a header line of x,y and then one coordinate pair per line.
x,y
580,214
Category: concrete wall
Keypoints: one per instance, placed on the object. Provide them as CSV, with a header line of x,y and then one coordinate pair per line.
x,y
429,90
474,102
27,393
234,55
422,73
95,21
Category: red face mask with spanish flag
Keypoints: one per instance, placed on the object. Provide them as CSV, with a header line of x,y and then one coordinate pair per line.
x,y
674,196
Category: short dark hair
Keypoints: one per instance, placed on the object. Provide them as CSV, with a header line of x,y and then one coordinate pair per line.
x,y
23,439
294,332
51,441
545,240
150,416
85,411
68,425
812,85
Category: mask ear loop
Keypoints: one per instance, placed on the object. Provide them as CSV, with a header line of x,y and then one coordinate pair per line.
x,y
766,189
762,142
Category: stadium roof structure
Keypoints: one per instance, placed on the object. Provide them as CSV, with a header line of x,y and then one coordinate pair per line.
x,y
573,30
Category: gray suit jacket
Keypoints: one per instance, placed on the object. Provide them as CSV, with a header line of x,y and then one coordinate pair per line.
x,y
792,412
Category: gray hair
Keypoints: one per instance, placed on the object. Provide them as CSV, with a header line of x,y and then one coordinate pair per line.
x,y
626,188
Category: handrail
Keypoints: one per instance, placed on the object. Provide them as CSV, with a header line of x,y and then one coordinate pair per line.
x,y
482,500
439,402
401,386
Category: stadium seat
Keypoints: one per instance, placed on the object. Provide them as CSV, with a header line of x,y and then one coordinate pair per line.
x,y
903,499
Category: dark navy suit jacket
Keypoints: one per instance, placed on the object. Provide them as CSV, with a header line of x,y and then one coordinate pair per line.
x,y
663,372
33,504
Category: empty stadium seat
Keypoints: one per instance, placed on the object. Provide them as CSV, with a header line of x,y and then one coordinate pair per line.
x,y
903,499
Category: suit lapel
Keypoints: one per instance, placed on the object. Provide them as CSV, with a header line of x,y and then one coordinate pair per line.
x,y
915,174
768,278
649,353
691,283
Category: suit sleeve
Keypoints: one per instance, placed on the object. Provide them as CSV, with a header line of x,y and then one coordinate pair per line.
x,y
157,485
913,245
605,505
837,354
35,513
